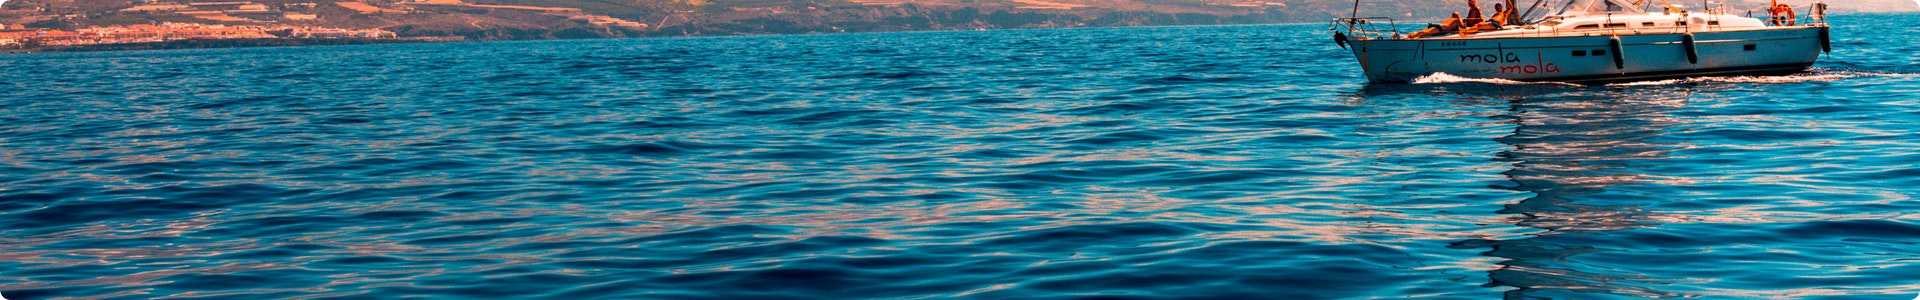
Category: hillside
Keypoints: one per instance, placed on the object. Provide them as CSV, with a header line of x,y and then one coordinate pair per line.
x,y
529,19
544,19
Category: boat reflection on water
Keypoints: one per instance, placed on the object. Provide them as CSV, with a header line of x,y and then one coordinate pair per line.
x,y
1590,158
1571,152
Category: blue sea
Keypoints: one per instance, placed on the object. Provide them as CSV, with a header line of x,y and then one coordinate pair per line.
x,y
1235,162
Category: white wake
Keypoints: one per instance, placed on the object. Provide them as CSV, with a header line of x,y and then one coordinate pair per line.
x,y
1816,76
1444,78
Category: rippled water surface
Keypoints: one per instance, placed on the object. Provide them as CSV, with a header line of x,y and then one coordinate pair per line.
x,y
1230,162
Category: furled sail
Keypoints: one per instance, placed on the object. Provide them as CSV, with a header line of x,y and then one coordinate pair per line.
x,y
1600,7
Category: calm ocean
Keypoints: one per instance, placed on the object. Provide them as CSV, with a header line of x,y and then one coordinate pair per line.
x,y
1185,162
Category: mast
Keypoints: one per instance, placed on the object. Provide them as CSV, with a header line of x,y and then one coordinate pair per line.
x,y
1356,9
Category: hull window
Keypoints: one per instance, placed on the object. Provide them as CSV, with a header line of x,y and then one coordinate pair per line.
x,y
1752,47
1579,53
1599,52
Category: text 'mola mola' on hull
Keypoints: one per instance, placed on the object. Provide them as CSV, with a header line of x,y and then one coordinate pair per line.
x,y
1592,41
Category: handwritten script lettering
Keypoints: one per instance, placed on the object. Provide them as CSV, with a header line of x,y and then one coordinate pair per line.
x,y
1540,66
1506,58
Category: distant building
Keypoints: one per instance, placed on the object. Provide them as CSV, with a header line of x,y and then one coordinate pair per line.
x,y
156,8
304,7
220,3
249,8
341,33
13,39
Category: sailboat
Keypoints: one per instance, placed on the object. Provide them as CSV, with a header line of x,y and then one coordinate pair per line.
x,y
1587,41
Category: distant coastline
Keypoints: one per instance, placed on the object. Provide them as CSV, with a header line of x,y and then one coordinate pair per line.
x,y
167,36
62,25
224,43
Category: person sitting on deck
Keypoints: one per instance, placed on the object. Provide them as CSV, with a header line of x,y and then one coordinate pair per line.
x,y
1451,25
1473,14
1498,20
1508,17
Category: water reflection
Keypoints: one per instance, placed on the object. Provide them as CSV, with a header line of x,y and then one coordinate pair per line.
x,y
1577,154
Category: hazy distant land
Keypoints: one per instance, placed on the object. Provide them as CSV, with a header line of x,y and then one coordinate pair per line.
x,y
70,23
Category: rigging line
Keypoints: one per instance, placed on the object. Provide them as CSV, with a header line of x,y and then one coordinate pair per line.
x,y
1569,6
1536,5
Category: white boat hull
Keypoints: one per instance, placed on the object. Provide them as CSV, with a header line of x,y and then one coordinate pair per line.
x,y
1573,59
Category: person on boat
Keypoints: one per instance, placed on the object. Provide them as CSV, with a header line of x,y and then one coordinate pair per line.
x,y
1511,16
1492,24
1473,14
1501,15
1451,25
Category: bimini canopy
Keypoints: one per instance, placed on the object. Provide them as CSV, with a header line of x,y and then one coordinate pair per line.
x,y
1577,8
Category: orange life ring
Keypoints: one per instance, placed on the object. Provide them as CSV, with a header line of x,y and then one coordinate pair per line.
x,y
1782,15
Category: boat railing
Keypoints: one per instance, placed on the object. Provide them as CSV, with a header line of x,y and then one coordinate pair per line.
x,y
1817,13
1367,28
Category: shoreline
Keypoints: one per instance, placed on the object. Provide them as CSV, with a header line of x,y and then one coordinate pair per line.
x,y
217,44
187,44
297,42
